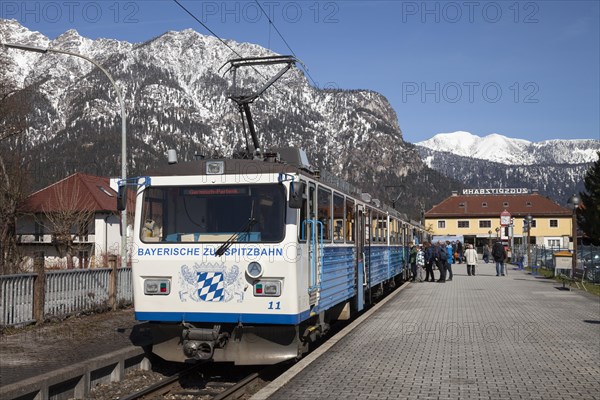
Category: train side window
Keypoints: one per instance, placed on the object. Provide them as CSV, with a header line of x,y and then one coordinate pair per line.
x,y
338,217
385,228
374,226
153,211
368,225
302,225
349,221
324,211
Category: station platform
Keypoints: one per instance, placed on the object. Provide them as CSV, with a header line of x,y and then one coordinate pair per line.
x,y
476,337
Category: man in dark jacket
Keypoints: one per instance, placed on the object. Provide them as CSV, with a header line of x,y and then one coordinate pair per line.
x,y
412,259
499,255
429,260
441,258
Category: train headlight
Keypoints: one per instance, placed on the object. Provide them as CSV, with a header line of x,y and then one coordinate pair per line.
x,y
254,270
215,167
157,286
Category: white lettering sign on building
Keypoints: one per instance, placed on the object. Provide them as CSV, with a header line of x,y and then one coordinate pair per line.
x,y
495,191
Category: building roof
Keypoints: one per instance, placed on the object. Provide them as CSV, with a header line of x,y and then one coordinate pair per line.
x,y
76,192
518,205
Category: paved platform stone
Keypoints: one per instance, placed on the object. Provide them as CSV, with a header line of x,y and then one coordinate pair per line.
x,y
481,337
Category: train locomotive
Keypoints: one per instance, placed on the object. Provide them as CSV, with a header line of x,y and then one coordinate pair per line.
x,y
249,260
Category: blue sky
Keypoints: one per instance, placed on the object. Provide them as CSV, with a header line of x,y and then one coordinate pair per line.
x,y
524,69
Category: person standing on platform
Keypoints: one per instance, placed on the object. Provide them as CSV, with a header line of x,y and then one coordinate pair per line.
x,y
459,250
441,259
429,260
499,255
449,261
486,253
412,259
471,259
420,263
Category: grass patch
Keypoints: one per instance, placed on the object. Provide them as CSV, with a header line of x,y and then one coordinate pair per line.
x,y
592,288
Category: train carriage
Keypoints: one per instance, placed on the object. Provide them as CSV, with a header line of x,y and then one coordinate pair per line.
x,y
248,261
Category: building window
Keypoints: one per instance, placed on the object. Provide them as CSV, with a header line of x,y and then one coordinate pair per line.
x,y
553,223
39,232
84,259
484,204
441,224
461,205
463,224
533,224
554,242
505,204
84,231
485,224
528,204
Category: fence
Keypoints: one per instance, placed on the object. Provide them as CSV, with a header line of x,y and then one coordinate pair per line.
x,y
588,259
66,292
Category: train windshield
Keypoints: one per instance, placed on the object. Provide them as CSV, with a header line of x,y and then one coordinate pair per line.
x,y
213,214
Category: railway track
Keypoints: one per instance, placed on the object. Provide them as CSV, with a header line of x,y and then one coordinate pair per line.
x,y
202,382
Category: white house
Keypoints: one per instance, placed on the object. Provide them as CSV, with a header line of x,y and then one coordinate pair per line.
x,y
78,216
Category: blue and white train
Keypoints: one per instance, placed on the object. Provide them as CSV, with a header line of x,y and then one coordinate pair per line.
x,y
249,261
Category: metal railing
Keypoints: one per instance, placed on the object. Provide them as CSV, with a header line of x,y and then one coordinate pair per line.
x,y
588,259
66,292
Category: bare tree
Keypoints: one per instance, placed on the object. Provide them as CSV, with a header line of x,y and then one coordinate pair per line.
x,y
14,178
67,216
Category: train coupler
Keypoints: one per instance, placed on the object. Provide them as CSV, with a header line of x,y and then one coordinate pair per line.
x,y
200,343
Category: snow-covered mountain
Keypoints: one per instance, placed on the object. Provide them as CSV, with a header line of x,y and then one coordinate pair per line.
x,y
175,97
555,167
504,150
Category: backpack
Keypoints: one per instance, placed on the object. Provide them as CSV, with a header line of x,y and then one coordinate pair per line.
x,y
443,254
498,251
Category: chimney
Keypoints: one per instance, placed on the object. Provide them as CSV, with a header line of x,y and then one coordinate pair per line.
x,y
454,193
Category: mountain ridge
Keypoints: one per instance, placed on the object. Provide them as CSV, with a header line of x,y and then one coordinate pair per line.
x,y
175,98
504,150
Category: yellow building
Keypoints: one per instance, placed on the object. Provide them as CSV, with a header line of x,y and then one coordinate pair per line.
x,y
478,216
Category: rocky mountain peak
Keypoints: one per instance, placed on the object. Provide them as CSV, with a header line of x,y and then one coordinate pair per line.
x,y
176,97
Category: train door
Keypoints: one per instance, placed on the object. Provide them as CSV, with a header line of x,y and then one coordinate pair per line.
x,y
360,258
314,233
369,235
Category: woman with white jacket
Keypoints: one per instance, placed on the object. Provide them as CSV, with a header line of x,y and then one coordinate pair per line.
x,y
471,257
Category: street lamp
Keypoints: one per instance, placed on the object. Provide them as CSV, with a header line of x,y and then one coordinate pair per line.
x,y
498,233
529,221
574,203
123,129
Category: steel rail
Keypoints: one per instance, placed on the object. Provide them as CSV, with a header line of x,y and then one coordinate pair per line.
x,y
163,383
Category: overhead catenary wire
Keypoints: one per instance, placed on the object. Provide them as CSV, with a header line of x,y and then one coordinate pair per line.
x,y
205,26
271,23
217,36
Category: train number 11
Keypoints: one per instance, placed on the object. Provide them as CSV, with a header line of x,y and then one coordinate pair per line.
x,y
274,305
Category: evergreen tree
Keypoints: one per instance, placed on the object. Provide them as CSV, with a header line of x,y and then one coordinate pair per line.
x,y
588,215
